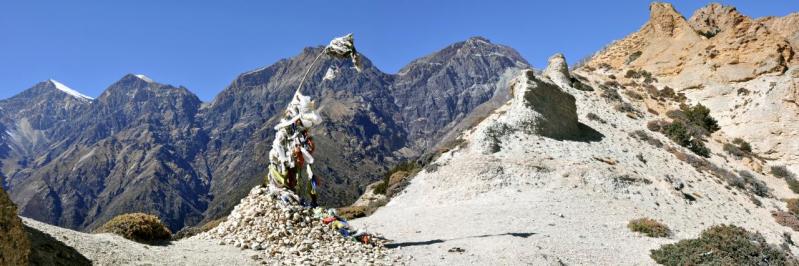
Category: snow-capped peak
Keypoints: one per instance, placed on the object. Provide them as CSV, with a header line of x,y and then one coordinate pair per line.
x,y
143,77
60,86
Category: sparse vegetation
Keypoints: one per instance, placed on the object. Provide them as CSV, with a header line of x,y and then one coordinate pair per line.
x,y
632,74
666,93
743,91
643,136
722,245
649,227
690,126
780,171
634,95
681,134
595,117
410,167
786,219
139,227
494,134
793,184
743,180
793,206
580,83
755,186
610,93
628,108
707,34
633,56
738,148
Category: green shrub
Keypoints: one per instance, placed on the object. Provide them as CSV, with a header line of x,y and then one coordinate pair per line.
x,y
733,150
722,245
643,136
738,148
690,126
595,117
139,227
649,227
756,186
681,134
700,115
793,184
382,187
610,93
633,56
780,171
743,145
631,73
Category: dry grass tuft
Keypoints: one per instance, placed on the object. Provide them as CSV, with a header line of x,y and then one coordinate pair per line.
x,y
139,227
649,227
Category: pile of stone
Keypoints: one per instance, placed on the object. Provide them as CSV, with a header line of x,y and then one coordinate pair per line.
x,y
271,220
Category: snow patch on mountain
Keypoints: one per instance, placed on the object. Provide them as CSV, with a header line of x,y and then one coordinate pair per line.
x,y
143,77
60,86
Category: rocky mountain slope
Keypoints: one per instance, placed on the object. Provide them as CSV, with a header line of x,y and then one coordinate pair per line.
x,y
745,70
545,168
517,193
142,146
514,193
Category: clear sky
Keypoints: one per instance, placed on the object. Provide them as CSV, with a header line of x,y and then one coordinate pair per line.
x,y
204,45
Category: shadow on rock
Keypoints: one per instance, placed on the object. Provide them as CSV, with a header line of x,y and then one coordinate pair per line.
x,y
46,250
585,134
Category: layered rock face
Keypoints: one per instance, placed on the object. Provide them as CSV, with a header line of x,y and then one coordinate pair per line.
x,y
716,44
148,147
14,243
743,69
785,27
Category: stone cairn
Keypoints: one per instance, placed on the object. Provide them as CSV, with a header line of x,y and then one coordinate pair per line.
x,y
271,220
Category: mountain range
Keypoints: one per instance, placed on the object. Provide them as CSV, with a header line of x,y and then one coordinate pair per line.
x,y
142,146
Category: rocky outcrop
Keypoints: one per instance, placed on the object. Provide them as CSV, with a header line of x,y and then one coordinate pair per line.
x,y
14,243
787,27
710,20
716,44
741,68
538,107
558,71
542,108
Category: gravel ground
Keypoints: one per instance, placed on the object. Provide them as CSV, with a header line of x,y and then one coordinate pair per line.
x,y
108,249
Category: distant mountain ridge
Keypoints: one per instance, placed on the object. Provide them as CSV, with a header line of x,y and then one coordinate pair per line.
x,y
142,146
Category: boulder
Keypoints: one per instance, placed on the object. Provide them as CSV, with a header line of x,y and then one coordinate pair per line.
x,y
542,108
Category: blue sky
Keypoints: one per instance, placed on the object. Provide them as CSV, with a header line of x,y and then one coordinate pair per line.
x,y
204,45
